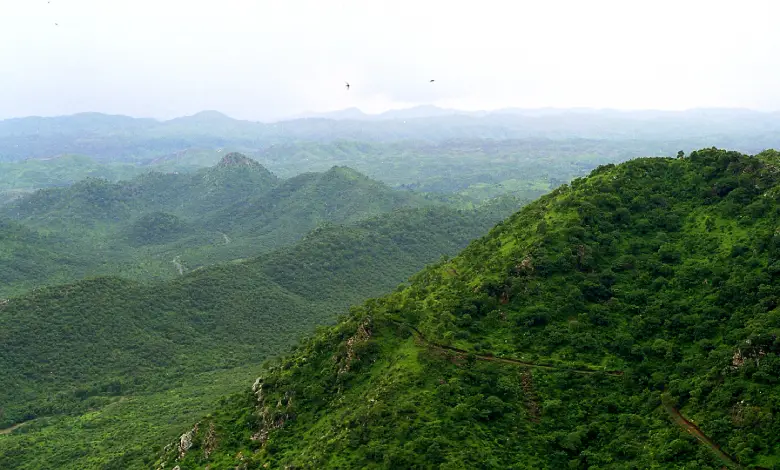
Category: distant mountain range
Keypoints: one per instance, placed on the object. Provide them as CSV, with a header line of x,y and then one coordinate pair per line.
x,y
141,139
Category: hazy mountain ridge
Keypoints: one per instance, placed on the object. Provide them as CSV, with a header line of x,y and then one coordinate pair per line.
x,y
130,139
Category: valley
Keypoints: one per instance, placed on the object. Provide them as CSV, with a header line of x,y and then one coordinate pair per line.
x,y
116,346
598,318
265,235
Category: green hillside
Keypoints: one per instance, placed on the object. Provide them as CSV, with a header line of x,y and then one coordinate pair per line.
x,y
29,258
628,320
158,226
74,357
32,174
475,168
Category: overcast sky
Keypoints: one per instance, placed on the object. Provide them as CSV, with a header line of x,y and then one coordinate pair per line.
x,y
266,59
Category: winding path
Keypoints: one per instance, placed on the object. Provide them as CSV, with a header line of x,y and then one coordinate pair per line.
x,y
505,360
13,428
691,428
674,413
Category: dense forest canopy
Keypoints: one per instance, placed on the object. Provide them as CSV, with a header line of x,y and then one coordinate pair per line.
x,y
625,319
159,225
582,332
201,277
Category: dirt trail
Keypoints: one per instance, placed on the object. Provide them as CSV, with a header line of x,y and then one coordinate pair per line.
x,y
505,360
13,428
675,414
680,420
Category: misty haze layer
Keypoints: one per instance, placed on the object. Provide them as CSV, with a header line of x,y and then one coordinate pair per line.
x,y
265,60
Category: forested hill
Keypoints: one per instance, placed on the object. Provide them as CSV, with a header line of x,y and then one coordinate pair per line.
x,y
570,336
159,225
74,357
476,168
233,185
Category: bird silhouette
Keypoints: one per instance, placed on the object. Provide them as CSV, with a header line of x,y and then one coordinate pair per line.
x,y
347,85
432,81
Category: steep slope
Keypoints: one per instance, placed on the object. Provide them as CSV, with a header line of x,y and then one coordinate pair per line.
x,y
478,167
552,342
78,348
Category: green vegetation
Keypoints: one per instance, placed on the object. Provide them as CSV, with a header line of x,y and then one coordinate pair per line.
x,y
118,434
157,226
78,358
664,269
477,169
29,258
29,175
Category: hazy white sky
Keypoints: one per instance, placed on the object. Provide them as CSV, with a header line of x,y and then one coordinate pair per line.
x,y
264,59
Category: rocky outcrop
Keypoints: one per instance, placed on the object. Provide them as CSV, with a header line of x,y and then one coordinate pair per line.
x,y
185,441
362,335
748,352
271,418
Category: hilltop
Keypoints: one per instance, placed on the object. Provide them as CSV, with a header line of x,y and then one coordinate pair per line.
x,y
627,320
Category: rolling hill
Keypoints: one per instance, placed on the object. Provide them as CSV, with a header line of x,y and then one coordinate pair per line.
x,y
628,320
74,357
158,225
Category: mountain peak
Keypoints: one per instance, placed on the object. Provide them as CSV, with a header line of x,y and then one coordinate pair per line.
x,y
208,115
345,171
234,159
235,167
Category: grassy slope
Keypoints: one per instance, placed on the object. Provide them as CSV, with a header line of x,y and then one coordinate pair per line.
x,y
665,269
79,347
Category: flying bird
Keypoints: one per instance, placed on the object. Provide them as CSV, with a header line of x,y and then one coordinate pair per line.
x,y
347,85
